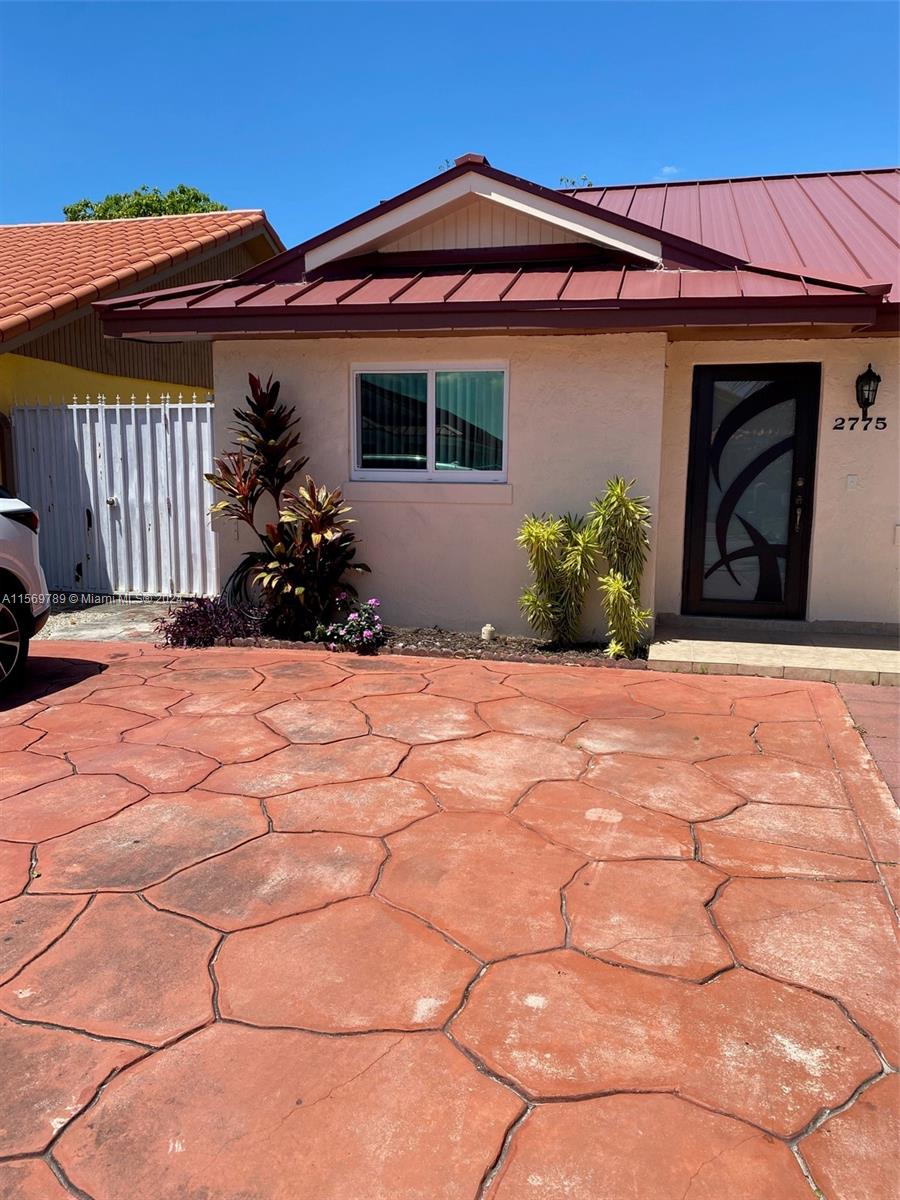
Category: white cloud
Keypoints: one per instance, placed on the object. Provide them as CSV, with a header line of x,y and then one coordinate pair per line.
x,y
666,173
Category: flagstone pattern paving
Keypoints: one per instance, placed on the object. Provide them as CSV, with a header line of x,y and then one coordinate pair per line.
x,y
283,925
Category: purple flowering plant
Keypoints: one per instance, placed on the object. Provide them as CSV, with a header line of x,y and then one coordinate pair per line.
x,y
358,626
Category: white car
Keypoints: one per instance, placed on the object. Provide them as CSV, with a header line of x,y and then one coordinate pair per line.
x,y
24,602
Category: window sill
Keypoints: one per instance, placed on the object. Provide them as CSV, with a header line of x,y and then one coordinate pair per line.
x,y
368,492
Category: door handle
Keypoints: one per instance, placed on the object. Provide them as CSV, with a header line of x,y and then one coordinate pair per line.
x,y
798,504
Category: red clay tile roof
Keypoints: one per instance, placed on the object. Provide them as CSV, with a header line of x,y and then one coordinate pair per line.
x,y
49,270
843,225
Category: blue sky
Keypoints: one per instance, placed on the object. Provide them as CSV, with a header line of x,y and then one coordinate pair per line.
x,y
316,111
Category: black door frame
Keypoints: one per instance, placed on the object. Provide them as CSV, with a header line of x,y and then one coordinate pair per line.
x,y
807,380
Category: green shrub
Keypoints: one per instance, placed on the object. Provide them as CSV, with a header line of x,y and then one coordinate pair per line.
x,y
561,553
622,529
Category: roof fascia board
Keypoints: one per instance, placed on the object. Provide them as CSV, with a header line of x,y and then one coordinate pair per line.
x,y
636,315
473,183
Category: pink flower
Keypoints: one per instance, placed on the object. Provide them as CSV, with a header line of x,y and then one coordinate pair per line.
x,y
353,617
368,634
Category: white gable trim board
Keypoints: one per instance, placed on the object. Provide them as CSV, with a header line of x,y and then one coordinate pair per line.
x,y
392,225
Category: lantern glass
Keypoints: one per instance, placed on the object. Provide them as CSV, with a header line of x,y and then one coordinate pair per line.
x,y
867,388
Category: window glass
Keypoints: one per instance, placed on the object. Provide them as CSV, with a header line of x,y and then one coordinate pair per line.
x,y
392,416
468,420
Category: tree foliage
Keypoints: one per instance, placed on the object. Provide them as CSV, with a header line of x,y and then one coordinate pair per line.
x,y
144,201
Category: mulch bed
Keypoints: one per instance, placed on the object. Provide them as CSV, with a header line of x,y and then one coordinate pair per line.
x,y
446,643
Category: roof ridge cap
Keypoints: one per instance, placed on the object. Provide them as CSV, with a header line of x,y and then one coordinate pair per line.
x,y
608,187
219,212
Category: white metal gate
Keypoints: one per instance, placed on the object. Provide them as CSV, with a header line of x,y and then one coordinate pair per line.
x,y
120,491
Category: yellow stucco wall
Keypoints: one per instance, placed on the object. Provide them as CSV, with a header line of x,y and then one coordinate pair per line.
x,y
26,380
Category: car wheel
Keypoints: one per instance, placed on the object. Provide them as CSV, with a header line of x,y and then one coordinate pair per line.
x,y
13,645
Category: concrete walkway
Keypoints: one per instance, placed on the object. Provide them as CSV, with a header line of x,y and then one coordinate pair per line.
x,y
777,654
279,925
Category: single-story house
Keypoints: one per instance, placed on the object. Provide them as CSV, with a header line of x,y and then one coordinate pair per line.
x,y
64,441
481,346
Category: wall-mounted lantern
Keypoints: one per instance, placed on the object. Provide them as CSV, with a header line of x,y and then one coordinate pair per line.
x,y
867,388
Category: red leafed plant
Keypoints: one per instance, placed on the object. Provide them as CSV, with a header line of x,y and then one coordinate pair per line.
x,y
305,552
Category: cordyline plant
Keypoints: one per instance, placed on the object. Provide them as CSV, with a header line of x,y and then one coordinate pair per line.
x,y
304,553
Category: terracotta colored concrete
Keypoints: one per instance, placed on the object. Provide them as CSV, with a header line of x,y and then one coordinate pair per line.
x,y
837,938
15,861
305,766
17,737
303,721
522,714
560,1024
489,772
147,842
122,970
681,736
482,878
55,808
638,1147
600,825
350,967
156,768
28,924
680,789
368,806
226,739
876,713
20,770
649,915
468,682
30,1179
773,780
293,1116
421,718
854,1154
671,890
272,877
56,1073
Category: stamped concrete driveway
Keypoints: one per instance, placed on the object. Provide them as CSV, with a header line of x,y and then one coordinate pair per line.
x,y
288,926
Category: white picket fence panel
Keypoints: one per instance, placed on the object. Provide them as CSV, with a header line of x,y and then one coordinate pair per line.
x,y
121,494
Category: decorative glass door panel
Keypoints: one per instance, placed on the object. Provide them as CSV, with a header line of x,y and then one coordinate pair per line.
x,y
750,483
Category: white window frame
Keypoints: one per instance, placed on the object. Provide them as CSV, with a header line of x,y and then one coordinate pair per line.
x,y
430,370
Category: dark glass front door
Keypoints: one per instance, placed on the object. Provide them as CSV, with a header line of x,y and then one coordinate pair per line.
x,y
750,486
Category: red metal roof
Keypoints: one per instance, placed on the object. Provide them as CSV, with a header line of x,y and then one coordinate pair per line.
x,y
514,296
798,249
842,225
49,270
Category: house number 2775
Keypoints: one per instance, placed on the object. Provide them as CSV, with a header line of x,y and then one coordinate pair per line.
x,y
862,422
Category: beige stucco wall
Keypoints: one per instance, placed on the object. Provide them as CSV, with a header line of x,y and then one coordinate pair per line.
x,y
854,563
580,409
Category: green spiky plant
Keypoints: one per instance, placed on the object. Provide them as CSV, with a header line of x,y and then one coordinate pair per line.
x,y
562,552
622,529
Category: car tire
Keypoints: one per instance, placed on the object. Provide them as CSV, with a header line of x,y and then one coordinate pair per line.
x,y
14,626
